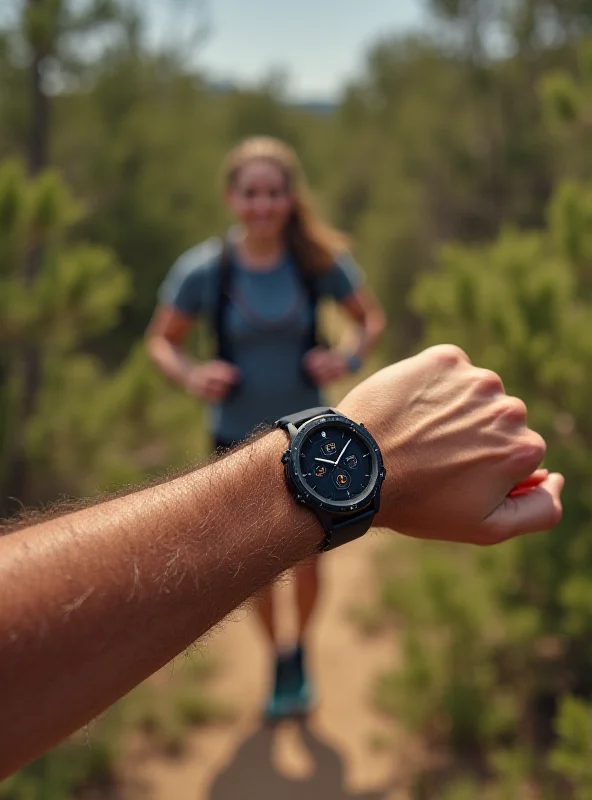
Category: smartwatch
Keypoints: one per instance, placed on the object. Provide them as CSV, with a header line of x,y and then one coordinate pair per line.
x,y
334,467
354,363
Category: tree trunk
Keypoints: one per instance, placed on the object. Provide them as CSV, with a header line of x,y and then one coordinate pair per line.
x,y
17,482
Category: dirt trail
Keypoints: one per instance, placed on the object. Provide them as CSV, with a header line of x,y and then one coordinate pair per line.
x,y
332,757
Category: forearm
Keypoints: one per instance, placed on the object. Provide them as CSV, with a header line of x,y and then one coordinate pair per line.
x,y
106,596
169,359
369,319
366,335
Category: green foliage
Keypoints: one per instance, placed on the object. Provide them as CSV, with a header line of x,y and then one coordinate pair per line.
x,y
448,688
571,754
73,446
462,789
194,709
562,97
494,639
60,773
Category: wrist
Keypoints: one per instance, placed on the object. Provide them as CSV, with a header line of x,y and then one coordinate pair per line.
x,y
304,531
342,492
187,375
297,532
389,488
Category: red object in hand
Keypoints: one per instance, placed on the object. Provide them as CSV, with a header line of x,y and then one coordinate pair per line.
x,y
529,483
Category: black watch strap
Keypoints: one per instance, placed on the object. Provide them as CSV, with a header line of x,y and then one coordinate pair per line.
x,y
303,416
344,531
337,531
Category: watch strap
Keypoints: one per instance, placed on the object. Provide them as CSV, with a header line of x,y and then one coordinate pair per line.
x,y
303,416
337,531
344,531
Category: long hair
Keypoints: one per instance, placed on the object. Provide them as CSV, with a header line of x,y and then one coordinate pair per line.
x,y
312,241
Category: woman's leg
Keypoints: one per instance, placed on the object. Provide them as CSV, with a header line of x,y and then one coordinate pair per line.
x,y
292,693
307,591
301,695
265,612
278,700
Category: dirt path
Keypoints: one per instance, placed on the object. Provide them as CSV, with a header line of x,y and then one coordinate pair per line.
x,y
333,757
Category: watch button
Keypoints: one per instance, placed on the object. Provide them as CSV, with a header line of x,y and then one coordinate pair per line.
x,y
286,457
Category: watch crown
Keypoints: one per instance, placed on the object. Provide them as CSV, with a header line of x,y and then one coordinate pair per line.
x,y
286,457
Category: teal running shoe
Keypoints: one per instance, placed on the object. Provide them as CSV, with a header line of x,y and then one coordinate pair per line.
x,y
301,694
276,707
293,694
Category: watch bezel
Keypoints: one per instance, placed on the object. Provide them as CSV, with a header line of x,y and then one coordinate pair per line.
x,y
305,494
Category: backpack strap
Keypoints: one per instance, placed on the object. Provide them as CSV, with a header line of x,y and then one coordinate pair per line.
x,y
310,287
225,269
223,349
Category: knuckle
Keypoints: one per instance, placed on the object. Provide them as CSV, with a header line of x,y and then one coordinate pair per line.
x,y
530,450
515,409
538,445
448,355
488,381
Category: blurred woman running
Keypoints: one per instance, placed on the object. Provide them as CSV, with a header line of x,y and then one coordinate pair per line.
x,y
259,287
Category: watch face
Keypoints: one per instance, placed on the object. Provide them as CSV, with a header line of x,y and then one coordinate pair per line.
x,y
337,463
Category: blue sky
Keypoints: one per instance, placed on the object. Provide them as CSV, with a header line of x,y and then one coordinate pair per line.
x,y
321,43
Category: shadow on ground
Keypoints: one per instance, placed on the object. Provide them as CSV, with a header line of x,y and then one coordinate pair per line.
x,y
251,775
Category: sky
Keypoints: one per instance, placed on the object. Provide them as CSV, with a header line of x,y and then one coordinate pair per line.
x,y
320,43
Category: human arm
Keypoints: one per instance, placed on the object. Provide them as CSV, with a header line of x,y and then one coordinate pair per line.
x,y
168,328
326,365
366,312
93,602
345,283
189,291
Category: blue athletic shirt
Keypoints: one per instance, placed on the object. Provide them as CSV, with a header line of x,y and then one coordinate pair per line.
x,y
268,320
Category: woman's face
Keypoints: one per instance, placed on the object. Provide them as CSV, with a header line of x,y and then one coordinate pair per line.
x,y
260,199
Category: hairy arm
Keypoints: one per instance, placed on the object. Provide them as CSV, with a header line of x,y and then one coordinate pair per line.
x,y
94,602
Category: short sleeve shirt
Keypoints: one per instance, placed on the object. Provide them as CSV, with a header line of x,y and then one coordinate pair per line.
x,y
268,320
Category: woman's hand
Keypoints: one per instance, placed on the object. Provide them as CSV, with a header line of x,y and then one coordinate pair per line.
x,y
212,380
325,365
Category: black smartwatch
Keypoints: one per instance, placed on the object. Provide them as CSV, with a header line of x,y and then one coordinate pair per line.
x,y
333,466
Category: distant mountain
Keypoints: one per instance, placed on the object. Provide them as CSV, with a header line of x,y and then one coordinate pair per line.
x,y
221,87
321,107
316,106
